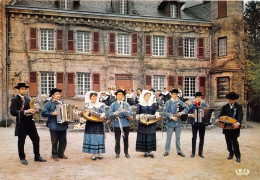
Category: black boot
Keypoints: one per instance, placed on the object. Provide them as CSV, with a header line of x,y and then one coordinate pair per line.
x,y
230,156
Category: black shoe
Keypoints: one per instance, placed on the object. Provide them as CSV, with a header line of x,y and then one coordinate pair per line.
x,y
117,155
24,161
93,158
238,160
100,157
127,156
63,157
145,155
181,154
40,159
201,155
151,155
192,155
230,157
166,154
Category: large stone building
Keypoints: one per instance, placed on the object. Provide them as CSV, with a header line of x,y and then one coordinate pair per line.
x,y
82,45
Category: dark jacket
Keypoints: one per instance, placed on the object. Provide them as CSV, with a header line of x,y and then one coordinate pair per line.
x,y
238,115
49,108
24,124
192,108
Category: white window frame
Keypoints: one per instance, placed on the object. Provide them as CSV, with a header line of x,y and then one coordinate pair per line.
x,y
189,88
86,46
188,47
160,82
126,48
157,51
48,86
48,40
123,6
65,4
222,45
83,84
174,11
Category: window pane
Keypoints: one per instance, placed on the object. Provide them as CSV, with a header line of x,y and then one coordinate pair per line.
x,y
123,44
158,82
47,82
83,41
222,46
158,45
189,47
189,86
83,83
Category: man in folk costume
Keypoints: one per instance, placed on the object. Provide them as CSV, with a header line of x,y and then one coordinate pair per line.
x,y
121,111
146,134
20,108
166,95
138,94
233,110
197,126
94,139
173,122
58,131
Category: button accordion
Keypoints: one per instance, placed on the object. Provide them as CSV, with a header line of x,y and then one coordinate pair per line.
x,y
203,115
64,113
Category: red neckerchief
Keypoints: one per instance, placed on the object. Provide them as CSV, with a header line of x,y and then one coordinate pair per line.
x,y
197,104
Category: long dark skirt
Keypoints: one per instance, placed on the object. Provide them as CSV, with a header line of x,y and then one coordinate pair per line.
x,y
94,143
146,142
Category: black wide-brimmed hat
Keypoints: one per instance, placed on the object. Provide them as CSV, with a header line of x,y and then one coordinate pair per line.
x,y
54,91
198,94
152,90
19,85
232,96
120,90
174,91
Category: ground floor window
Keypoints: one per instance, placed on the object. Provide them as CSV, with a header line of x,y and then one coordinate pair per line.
x,y
83,82
47,82
158,82
189,86
223,87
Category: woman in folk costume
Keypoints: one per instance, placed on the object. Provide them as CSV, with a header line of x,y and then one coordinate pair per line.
x,y
146,134
94,141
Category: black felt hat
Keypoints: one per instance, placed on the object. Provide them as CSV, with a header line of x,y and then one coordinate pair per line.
x,y
198,94
232,96
54,91
19,85
120,90
174,91
152,90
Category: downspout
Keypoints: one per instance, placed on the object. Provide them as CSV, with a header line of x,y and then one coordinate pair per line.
x,y
210,61
7,64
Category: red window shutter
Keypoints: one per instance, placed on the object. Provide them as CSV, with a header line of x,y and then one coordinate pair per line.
x,y
96,82
95,42
171,82
60,82
180,47
202,85
222,9
200,47
170,46
33,39
134,43
180,82
58,4
148,82
33,88
59,40
112,43
70,85
147,45
70,41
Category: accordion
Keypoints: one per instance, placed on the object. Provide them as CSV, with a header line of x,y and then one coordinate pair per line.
x,y
64,113
203,115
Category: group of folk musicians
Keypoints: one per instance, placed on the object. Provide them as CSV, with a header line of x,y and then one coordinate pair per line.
x,y
120,113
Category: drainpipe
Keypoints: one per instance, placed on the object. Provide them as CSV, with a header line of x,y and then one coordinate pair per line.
x,y
210,61
7,64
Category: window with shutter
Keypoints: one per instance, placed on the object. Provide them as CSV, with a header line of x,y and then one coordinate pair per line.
x,y
180,81
33,88
60,82
96,82
222,9
112,43
200,48
148,81
33,39
171,82
180,47
202,87
170,46
70,43
70,85
147,45
96,42
59,40
134,43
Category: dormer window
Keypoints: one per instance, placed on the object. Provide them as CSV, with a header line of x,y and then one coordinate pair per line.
x,y
65,4
174,11
122,6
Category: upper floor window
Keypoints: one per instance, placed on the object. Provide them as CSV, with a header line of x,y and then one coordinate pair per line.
x,y
222,46
222,9
83,41
158,45
189,47
158,82
65,4
47,40
123,6
123,44
47,82
174,11
189,86
83,82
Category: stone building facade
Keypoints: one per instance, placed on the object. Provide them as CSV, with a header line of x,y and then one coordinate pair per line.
x,y
92,45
